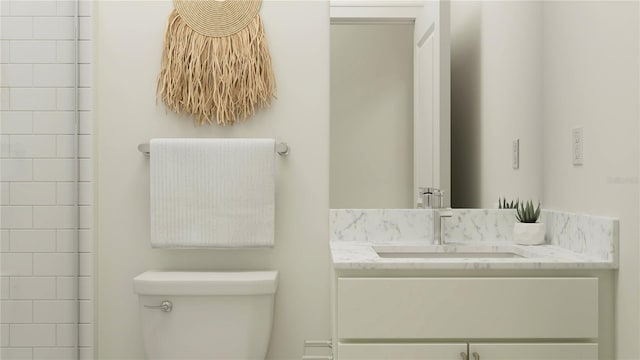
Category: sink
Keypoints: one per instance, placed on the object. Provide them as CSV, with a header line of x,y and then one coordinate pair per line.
x,y
446,252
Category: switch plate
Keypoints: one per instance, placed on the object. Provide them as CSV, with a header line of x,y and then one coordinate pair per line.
x,y
515,154
577,141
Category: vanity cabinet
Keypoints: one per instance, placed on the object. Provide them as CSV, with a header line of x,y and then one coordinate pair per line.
x,y
528,318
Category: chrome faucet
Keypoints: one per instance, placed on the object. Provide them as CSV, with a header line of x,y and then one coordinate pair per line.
x,y
432,198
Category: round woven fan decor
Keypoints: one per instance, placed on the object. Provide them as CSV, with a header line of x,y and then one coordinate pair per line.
x,y
217,18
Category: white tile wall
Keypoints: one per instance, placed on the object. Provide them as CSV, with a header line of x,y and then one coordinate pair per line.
x,y
39,290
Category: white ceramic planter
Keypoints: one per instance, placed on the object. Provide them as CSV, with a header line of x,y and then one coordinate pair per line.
x,y
529,234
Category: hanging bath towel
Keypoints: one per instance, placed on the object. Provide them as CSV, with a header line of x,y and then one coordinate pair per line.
x,y
216,64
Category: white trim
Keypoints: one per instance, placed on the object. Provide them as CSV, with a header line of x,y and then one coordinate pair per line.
x,y
374,3
375,12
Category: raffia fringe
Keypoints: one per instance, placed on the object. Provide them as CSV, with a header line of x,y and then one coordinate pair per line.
x,y
219,79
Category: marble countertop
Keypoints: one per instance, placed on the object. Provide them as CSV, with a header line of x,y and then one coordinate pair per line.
x,y
357,255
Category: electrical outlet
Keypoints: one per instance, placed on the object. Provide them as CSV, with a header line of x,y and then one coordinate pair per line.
x,y
577,141
515,154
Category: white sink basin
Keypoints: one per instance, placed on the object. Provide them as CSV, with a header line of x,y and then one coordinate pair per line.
x,y
446,252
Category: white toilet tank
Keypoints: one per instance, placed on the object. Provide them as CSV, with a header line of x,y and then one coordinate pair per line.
x,y
206,315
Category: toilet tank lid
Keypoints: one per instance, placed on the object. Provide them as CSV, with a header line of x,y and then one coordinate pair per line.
x,y
205,283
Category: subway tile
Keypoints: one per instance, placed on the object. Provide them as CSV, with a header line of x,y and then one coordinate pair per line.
x,y
5,98
66,51
85,170
85,217
54,170
33,146
66,193
54,28
33,51
5,51
33,99
67,334
16,75
85,52
5,148
16,353
86,311
86,353
16,122
33,193
32,335
66,146
86,288
66,8
16,312
66,241
85,8
4,287
85,336
5,241
66,287
86,264
4,336
54,75
16,169
54,217
86,123
85,99
86,193
16,264
55,353
55,264
33,241
17,28
66,99
55,312
17,217
33,8
85,146
5,198
32,288
53,122
85,25
85,75
85,241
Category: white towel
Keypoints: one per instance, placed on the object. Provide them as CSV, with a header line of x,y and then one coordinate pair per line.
x,y
212,193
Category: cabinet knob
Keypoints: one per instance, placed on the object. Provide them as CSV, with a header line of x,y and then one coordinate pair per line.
x,y
464,356
476,356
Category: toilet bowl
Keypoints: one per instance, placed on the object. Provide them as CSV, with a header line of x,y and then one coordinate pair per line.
x,y
206,315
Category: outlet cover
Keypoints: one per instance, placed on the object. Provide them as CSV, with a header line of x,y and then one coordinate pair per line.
x,y
577,142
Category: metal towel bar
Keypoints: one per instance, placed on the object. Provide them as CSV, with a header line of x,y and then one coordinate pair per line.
x,y
282,149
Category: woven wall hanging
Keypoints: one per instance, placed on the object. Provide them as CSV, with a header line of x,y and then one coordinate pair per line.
x,y
216,64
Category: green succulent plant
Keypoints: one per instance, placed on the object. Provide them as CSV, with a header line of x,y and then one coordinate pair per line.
x,y
504,204
526,213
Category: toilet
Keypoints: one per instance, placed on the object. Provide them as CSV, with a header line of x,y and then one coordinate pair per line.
x,y
206,315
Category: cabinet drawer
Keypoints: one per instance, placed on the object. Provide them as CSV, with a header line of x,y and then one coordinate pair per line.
x,y
379,351
535,351
476,308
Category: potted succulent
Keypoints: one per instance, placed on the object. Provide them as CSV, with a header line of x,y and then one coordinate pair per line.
x,y
504,204
527,231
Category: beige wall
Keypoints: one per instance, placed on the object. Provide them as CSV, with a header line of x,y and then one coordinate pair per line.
x,y
591,81
496,81
128,47
371,116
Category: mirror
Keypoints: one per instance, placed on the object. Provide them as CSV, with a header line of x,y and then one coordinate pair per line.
x,y
389,103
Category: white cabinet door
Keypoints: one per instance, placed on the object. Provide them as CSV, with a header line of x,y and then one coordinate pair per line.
x,y
586,351
407,351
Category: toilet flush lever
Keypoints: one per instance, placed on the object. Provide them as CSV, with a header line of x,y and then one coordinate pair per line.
x,y
166,306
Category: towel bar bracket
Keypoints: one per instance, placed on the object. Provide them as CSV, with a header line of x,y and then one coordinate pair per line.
x,y
282,149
